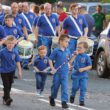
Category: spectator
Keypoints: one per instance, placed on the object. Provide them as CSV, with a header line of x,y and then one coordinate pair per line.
x,y
99,18
90,20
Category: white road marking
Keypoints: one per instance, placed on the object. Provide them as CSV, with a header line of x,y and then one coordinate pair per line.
x,y
18,91
58,105
28,80
85,108
14,90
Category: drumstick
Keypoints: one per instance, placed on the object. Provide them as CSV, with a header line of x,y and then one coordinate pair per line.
x,y
71,59
45,72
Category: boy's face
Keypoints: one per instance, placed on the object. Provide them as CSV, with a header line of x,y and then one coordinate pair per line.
x,y
81,49
43,53
64,43
9,22
10,45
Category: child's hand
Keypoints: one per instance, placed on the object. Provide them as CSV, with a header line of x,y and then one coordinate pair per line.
x,y
54,70
81,70
37,71
19,75
69,66
75,53
45,71
30,63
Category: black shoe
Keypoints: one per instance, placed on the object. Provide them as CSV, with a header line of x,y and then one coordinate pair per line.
x,y
52,101
64,105
7,102
15,77
81,103
71,99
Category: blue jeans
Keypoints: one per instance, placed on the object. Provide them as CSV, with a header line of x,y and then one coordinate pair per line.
x,y
45,41
40,81
72,45
79,82
60,79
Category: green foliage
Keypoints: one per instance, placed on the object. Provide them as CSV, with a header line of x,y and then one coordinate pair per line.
x,y
104,1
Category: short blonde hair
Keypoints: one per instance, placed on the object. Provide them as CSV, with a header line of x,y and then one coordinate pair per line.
x,y
46,5
85,44
10,38
42,47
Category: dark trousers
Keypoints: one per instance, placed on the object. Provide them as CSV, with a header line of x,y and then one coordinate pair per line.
x,y
40,81
7,79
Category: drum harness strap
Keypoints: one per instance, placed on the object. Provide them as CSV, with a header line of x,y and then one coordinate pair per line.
x,y
27,21
77,27
48,21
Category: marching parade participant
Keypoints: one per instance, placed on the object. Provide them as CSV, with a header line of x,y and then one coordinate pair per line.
x,y
79,75
2,15
36,11
41,66
9,60
76,26
10,29
47,27
28,16
19,21
41,9
20,7
60,55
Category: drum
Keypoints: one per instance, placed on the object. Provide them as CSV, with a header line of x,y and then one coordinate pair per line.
x,y
55,42
32,38
90,45
25,49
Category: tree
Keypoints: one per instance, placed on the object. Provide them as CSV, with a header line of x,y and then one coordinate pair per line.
x,y
105,1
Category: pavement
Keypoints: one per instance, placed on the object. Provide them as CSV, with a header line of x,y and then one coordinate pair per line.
x,y
25,98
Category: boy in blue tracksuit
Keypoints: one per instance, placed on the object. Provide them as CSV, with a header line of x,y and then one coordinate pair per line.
x,y
59,56
41,66
9,60
79,76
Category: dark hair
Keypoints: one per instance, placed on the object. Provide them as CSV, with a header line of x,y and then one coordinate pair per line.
x,y
60,6
8,16
85,44
99,6
36,9
63,37
42,7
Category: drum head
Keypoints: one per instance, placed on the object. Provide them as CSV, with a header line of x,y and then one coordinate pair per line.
x,y
25,44
25,49
31,37
90,44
